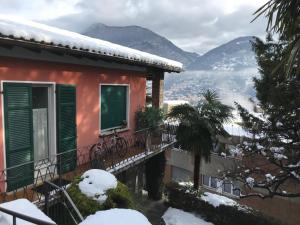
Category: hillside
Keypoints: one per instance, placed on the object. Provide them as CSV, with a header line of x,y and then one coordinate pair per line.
x,y
142,39
234,55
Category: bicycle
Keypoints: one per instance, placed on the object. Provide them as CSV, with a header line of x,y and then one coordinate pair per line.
x,y
104,150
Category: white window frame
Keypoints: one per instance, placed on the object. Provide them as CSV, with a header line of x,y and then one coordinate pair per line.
x,y
110,130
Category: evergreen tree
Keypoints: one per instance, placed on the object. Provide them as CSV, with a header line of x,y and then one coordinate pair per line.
x,y
276,132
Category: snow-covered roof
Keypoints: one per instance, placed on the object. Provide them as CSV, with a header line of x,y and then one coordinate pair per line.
x,y
19,29
22,206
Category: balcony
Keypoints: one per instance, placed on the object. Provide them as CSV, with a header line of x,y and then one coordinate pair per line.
x,y
107,154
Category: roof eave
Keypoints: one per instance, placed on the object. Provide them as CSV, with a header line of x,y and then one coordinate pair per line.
x,y
8,40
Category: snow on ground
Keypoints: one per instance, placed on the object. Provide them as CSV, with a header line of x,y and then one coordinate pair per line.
x,y
217,200
29,30
178,217
116,217
25,207
96,182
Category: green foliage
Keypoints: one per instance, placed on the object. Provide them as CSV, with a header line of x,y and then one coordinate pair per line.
x,y
283,19
188,200
199,125
148,117
279,99
217,113
119,197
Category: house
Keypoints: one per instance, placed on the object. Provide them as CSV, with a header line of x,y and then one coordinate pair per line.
x,y
60,90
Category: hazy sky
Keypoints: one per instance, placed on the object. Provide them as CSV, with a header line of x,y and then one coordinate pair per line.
x,y
194,25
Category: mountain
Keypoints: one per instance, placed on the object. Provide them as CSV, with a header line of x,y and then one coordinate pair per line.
x,y
232,56
228,68
142,39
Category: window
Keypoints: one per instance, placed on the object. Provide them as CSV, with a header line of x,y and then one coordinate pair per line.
x,y
206,180
235,189
227,187
40,122
214,182
30,132
114,106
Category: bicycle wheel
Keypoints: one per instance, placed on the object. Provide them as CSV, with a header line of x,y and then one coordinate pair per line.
x,y
121,147
97,156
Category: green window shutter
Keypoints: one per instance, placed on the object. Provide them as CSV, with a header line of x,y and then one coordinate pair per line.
x,y
66,127
18,134
113,106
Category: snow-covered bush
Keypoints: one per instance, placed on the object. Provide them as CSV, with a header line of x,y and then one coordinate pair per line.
x,y
214,208
99,190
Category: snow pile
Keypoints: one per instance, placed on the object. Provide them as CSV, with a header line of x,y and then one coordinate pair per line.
x,y
217,200
250,181
235,151
22,206
95,183
21,28
269,177
116,217
178,217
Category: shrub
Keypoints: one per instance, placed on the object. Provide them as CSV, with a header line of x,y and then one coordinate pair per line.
x,y
120,197
182,198
148,117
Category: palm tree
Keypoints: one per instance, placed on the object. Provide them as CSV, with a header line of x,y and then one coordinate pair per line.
x,y
198,127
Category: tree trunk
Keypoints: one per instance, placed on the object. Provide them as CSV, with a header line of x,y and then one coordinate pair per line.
x,y
197,160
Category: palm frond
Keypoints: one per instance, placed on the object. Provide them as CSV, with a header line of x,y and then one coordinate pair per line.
x,y
284,18
183,112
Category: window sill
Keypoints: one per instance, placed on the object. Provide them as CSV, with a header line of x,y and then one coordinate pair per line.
x,y
111,131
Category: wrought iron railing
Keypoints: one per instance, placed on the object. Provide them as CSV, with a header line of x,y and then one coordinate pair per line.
x,y
104,154
140,144
60,207
20,216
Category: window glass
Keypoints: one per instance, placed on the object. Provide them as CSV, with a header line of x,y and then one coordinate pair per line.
x,y
205,180
227,186
236,189
113,106
213,182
